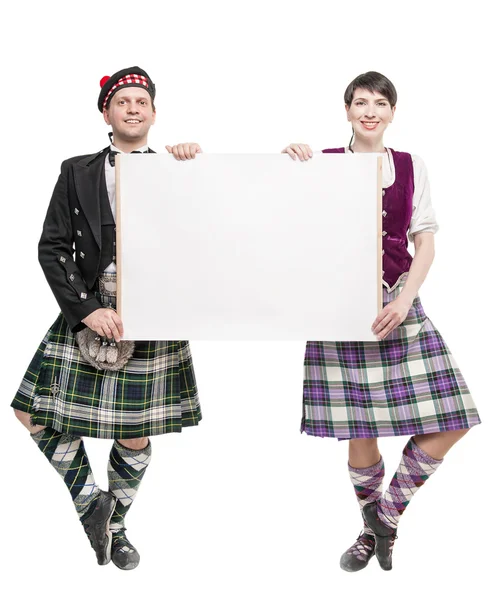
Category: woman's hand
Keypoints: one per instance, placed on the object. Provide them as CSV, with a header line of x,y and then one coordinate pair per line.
x,y
302,151
105,322
390,317
184,151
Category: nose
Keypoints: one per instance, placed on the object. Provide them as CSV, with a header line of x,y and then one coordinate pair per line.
x,y
133,107
370,111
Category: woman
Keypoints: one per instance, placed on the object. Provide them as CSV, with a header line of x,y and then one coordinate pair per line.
x,y
407,382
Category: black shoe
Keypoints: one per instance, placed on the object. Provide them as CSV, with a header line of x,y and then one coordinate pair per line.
x,y
123,554
97,526
384,536
358,555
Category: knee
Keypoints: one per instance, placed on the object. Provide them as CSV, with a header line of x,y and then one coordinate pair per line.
x,y
135,443
363,444
25,419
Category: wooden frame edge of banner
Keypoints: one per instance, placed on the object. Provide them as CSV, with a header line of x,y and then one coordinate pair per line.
x,y
118,238
379,235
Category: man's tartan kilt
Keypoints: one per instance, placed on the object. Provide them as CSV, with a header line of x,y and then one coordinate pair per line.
x,y
407,384
154,393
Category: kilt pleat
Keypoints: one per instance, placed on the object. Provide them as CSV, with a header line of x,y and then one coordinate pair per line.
x,y
154,393
407,384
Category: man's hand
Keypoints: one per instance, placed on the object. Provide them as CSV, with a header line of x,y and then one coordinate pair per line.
x,y
184,151
105,322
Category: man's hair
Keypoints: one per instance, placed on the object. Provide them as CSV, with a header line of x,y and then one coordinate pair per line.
x,y
373,82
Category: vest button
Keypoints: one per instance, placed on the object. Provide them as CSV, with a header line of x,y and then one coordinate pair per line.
x,y
384,213
383,192
384,233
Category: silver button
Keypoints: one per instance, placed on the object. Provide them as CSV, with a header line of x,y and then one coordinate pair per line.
x,y
72,277
79,232
76,211
384,233
384,213
383,252
83,295
82,255
63,259
383,192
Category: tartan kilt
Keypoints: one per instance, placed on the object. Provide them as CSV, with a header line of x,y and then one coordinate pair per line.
x,y
406,384
154,393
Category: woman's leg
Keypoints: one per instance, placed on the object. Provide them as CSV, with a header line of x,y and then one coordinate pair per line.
x,y
366,471
421,457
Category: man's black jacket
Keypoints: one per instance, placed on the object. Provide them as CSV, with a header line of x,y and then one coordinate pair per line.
x,y
70,246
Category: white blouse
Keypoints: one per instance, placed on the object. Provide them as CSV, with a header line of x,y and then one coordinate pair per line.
x,y
423,216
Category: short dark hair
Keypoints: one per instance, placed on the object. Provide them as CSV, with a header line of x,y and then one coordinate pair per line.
x,y
373,82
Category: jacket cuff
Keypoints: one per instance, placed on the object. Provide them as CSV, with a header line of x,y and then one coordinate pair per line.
x,y
81,312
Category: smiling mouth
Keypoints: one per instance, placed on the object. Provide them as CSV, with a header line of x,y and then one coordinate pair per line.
x,y
369,124
133,121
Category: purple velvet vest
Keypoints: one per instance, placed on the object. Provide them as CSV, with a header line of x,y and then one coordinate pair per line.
x,y
397,205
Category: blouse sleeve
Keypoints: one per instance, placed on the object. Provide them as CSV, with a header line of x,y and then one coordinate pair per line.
x,y
423,216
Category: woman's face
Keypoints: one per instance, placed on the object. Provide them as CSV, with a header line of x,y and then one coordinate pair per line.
x,y
369,114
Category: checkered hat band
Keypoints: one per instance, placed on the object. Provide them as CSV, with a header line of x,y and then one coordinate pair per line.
x,y
127,80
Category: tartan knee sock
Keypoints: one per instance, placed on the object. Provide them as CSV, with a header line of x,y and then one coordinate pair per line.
x,y
368,484
67,454
126,468
414,469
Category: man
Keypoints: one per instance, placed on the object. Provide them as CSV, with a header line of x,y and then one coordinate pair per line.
x,y
63,396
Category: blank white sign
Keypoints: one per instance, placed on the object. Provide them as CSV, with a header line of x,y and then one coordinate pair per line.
x,y
248,247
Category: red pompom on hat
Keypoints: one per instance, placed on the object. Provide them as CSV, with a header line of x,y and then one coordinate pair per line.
x,y
132,77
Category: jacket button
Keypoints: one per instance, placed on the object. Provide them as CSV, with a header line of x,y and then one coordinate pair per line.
x,y
383,192
83,295
76,211
79,232
384,233
72,277
383,252
384,213
63,259
82,255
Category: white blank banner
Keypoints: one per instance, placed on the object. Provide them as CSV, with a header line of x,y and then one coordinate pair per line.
x,y
248,247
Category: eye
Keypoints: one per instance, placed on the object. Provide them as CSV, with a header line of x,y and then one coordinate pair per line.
x,y
382,103
359,103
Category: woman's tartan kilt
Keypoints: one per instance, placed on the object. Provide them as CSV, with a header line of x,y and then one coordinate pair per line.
x,y
154,393
406,384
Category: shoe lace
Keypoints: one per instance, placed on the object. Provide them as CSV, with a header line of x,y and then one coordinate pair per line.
x,y
363,546
120,541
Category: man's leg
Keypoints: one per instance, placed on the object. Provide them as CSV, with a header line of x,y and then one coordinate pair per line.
x,y
126,467
66,453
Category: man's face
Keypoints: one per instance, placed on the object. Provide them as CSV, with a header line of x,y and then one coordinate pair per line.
x,y
130,114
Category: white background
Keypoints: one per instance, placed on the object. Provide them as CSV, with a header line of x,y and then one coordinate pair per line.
x,y
244,506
